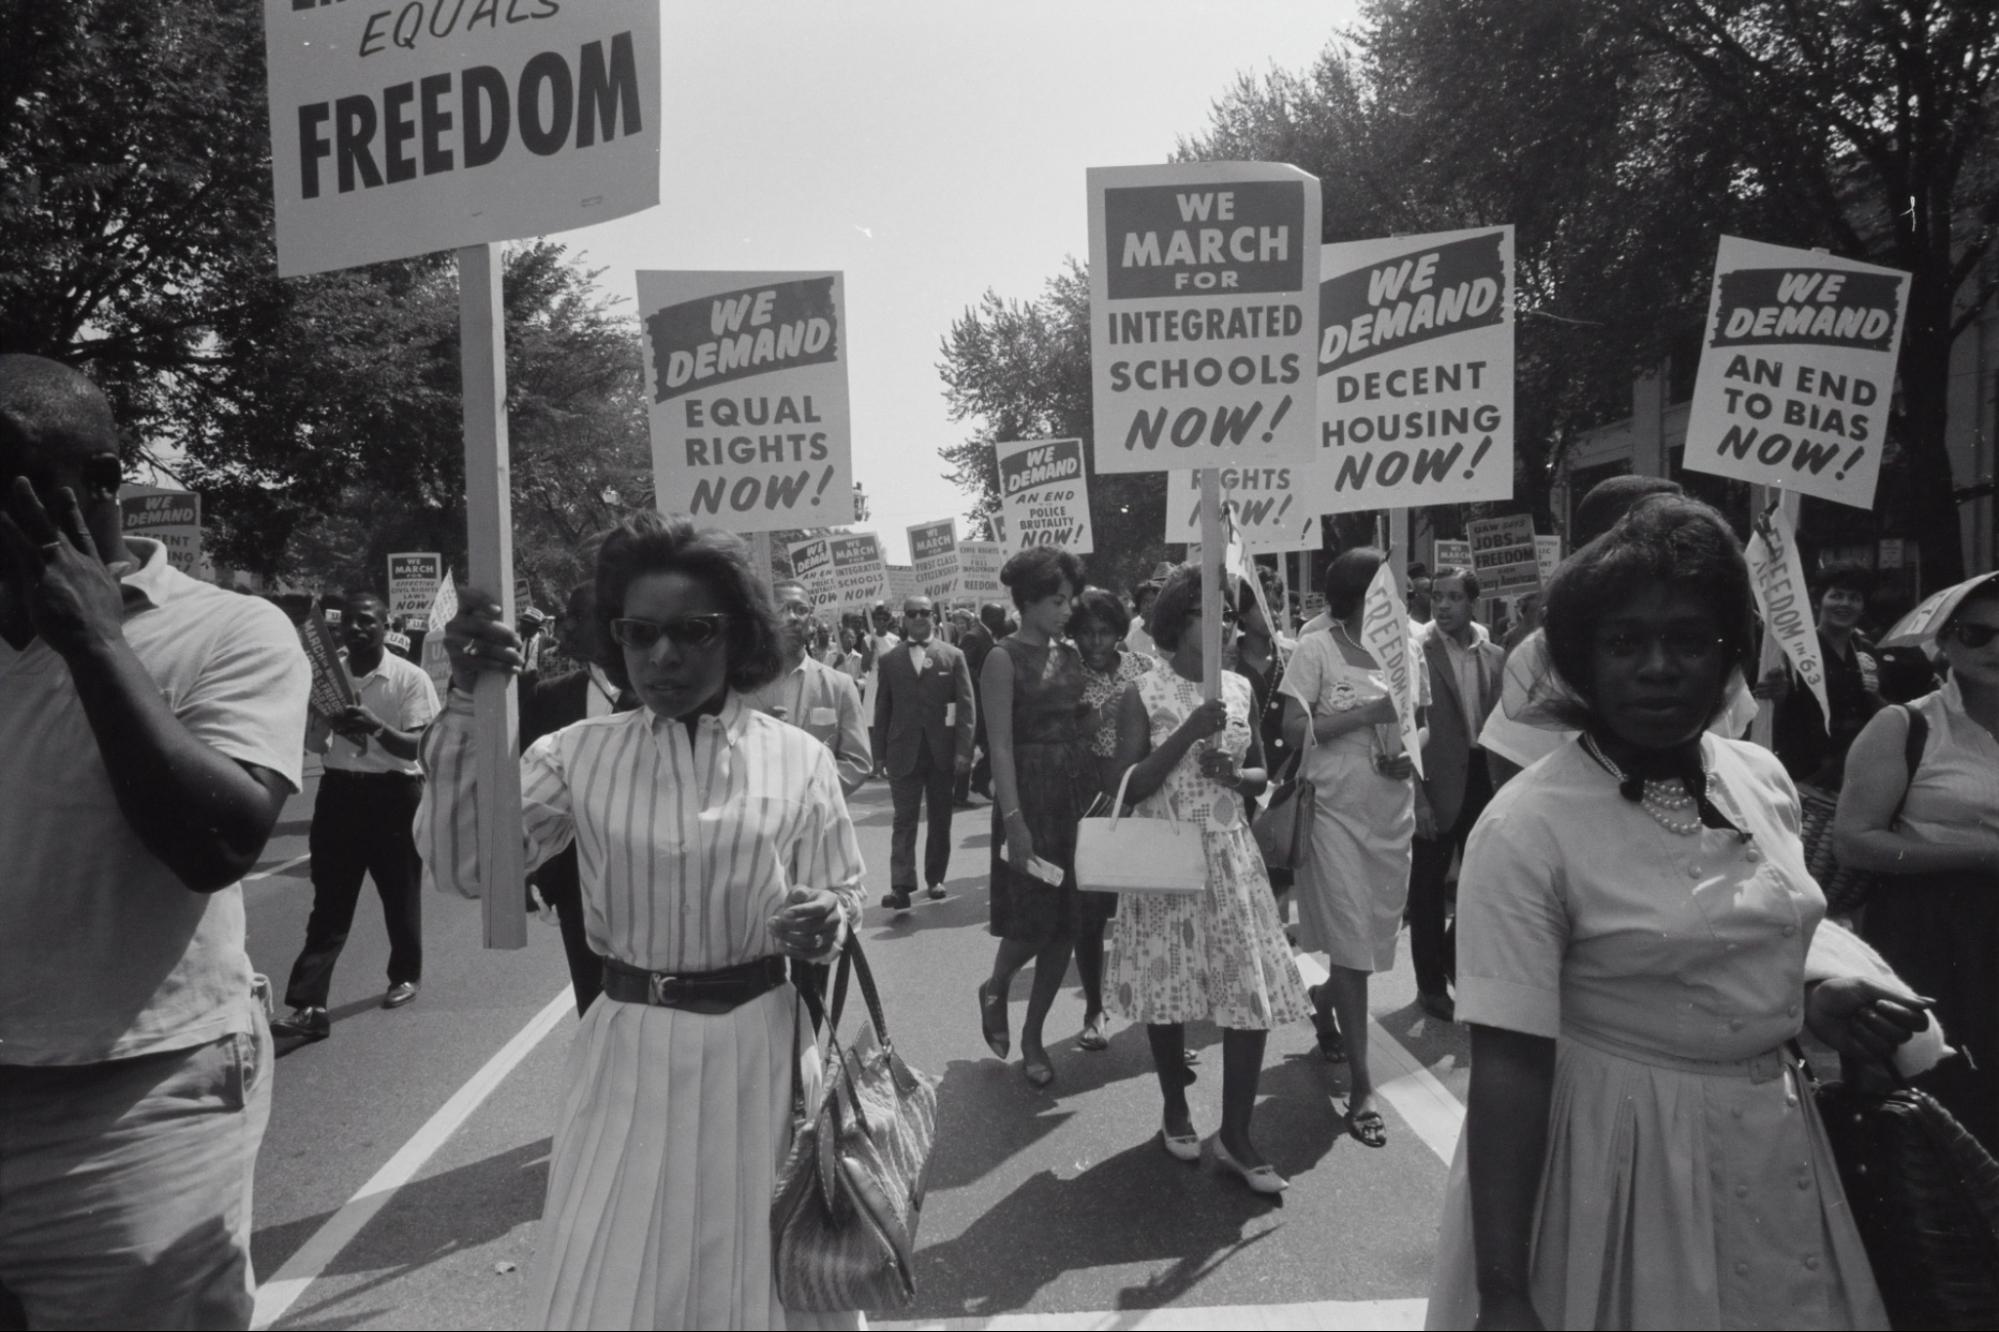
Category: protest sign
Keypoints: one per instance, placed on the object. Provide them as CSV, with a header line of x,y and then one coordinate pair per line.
x,y
812,565
442,610
1046,494
979,565
1415,370
332,688
398,129
1797,369
902,584
1547,555
933,548
1777,575
413,580
1447,553
1503,554
746,377
1203,315
1385,633
1271,508
857,574
170,517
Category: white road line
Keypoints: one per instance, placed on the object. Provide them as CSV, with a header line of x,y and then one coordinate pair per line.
x,y
277,869
1318,1314
277,1295
1427,1104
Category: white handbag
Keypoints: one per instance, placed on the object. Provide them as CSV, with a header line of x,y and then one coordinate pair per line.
x,y
1132,855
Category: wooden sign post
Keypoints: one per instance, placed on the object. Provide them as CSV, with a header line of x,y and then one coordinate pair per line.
x,y
1212,539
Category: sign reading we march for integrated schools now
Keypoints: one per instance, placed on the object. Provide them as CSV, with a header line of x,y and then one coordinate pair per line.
x,y
746,376
1797,369
1046,494
844,571
1416,371
402,128
1203,315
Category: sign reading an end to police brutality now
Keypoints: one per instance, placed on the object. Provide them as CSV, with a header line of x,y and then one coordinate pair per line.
x,y
747,378
1416,370
405,126
933,550
1203,315
1797,369
1046,494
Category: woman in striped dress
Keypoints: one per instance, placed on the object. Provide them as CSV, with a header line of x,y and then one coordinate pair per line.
x,y
713,843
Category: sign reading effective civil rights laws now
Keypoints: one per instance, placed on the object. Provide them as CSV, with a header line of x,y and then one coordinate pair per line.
x,y
1797,369
413,580
402,128
1204,283
1415,370
1272,507
1046,494
746,375
933,550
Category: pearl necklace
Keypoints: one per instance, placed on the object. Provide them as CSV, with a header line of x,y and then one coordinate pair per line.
x,y
1666,800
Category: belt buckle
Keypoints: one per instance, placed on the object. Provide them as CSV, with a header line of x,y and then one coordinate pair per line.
x,y
656,987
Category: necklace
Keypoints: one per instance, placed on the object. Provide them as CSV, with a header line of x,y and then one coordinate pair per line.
x,y
1666,801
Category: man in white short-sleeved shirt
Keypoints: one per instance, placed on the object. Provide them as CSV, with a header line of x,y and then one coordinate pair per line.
x,y
151,727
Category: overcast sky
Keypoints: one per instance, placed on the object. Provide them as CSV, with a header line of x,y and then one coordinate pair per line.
x,y
929,151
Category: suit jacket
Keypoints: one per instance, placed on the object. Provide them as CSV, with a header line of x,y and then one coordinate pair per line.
x,y
977,643
824,702
1453,729
910,711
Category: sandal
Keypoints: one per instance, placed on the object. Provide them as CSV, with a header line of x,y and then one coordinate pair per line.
x,y
1367,1127
1038,1071
1332,1047
992,1022
1093,1035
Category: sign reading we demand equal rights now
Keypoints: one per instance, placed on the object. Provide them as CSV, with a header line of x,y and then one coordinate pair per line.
x,y
1203,315
402,128
1797,369
1416,371
1045,494
746,374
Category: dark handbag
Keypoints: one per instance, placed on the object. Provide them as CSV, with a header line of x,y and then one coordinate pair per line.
x,y
1846,889
850,1193
1925,1196
1283,829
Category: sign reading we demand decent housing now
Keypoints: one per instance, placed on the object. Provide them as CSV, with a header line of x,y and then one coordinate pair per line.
x,y
746,374
1797,369
1203,315
402,128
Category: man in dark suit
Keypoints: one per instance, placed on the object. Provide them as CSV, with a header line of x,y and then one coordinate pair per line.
x,y
924,721
1465,668
976,642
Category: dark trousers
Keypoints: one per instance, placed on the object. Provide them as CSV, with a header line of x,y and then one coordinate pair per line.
x,y
929,781
562,889
360,826
1433,945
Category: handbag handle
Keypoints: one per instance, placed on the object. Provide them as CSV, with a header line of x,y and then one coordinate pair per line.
x,y
1117,809
854,961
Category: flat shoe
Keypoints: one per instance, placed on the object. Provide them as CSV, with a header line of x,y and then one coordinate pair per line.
x,y
1038,1071
399,994
937,893
897,901
1185,1147
992,1022
1367,1127
1262,1179
1093,1036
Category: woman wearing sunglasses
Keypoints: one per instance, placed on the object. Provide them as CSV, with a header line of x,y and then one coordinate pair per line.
x,y
713,845
1934,835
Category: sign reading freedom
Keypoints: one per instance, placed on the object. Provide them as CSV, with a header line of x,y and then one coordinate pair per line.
x,y
399,129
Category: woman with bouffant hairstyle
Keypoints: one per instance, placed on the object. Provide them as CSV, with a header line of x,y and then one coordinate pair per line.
x,y
650,543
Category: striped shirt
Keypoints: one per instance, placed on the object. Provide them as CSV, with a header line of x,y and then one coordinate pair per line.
x,y
685,848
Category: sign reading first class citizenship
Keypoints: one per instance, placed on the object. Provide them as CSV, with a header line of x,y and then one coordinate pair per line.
x,y
398,129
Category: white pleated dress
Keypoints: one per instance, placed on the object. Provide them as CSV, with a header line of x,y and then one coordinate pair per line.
x,y
674,1123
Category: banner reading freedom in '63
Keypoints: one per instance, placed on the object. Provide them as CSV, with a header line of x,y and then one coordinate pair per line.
x,y
1797,368
1046,494
1416,370
402,128
1204,285
746,374
933,550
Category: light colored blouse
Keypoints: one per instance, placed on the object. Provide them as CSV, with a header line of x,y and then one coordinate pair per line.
x,y
685,846
1321,678
1954,796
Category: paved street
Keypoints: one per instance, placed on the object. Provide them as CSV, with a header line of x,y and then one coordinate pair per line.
x,y
406,1159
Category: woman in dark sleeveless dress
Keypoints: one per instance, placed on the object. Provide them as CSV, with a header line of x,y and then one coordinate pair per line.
x,y
1043,779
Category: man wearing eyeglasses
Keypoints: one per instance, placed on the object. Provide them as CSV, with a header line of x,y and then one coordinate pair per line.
x,y
813,696
925,718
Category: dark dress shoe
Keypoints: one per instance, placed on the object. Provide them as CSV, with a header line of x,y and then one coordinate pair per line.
x,y
399,994
937,893
303,1024
897,901
1439,1006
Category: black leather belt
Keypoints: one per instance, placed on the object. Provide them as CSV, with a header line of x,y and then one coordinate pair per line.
x,y
694,991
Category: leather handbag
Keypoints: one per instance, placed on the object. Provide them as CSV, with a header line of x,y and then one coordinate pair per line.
x,y
1119,854
1283,829
850,1193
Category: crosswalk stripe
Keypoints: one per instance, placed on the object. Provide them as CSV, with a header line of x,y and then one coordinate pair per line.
x,y
1341,1314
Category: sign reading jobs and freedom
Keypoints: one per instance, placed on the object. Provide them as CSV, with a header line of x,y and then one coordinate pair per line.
x,y
1416,371
1203,315
1046,494
746,374
1504,554
399,128
933,550
1797,369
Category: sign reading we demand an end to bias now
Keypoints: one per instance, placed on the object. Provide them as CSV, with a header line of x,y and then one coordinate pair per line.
x,y
746,375
1797,369
400,127
1203,315
1045,494
1416,371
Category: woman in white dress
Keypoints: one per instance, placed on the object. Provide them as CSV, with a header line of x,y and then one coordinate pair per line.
x,y
713,843
1353,885
1633,921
